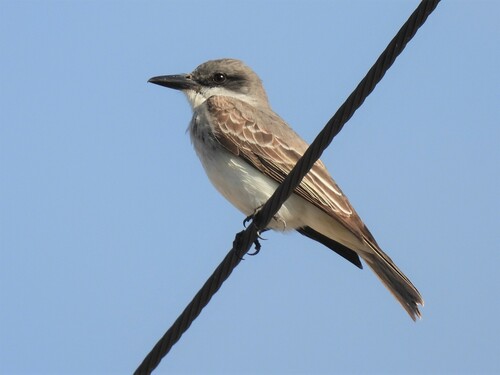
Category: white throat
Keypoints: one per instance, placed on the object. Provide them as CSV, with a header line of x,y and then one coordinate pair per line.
x,y
197,98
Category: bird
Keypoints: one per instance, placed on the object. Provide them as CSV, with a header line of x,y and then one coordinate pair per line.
x,y
246,150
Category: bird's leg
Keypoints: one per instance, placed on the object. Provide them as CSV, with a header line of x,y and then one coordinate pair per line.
x,y
281,221
248,219
252,216
257,242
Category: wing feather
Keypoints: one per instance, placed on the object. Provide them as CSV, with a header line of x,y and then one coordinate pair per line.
x,y
266,142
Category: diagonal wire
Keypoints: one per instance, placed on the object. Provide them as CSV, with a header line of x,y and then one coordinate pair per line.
x,y
244,239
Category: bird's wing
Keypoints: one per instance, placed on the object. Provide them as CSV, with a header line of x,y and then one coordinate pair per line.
x,y
266,142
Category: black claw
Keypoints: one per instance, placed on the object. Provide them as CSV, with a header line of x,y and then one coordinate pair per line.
x,y
257,247
257,243
247,220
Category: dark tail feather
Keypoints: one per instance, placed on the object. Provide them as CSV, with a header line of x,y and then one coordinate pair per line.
x,y
340,249
397,283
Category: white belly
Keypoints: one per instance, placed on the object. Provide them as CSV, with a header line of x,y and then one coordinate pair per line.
x,y
247,188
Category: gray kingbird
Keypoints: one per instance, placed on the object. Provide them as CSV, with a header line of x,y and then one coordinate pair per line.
x,y
246,150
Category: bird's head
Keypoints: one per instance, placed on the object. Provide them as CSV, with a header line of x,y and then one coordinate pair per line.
x,y
224,77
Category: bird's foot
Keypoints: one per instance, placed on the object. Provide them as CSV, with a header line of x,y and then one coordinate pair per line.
x,y
252,216
257,243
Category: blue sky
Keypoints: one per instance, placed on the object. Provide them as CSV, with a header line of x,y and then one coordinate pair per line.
x,y
108,225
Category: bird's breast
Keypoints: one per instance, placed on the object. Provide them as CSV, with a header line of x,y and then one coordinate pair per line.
x,y
239,182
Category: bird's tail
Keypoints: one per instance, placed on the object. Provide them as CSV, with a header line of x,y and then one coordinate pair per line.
x,y
395,280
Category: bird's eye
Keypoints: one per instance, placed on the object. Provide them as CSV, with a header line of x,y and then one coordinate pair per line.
x,y
219,78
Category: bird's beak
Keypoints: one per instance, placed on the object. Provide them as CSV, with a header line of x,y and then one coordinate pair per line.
x,y
177,82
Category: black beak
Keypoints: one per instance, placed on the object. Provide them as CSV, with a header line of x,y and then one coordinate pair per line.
x,y
177,82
